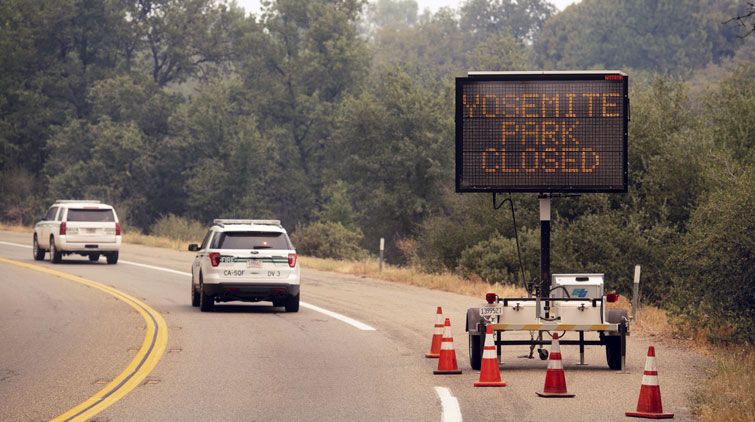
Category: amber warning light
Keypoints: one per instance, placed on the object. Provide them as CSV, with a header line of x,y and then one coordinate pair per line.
x,y
542,132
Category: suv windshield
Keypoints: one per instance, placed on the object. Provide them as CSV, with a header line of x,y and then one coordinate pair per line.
x,y
92,215
251,240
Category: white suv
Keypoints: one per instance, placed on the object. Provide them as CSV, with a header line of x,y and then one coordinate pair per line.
x,y
245,260
87,228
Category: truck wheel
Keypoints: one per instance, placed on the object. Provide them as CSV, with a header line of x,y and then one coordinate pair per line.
x,y
613,343
94,257
292,304
112,258
475,350
39,254
206,302
55,256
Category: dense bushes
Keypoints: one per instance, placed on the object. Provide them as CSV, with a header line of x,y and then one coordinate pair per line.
x,y
328,240
175,227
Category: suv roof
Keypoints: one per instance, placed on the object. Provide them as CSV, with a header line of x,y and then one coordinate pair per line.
x,y
76,203
249,225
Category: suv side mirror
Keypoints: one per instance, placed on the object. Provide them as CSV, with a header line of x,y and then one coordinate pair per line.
x,y
193,247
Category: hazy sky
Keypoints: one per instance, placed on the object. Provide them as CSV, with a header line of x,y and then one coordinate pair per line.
x,y
254,5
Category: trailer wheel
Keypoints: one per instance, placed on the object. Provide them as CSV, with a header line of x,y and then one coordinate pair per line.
x,y
613,343
475,350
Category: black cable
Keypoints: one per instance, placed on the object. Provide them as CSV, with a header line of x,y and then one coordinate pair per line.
x,y
516,236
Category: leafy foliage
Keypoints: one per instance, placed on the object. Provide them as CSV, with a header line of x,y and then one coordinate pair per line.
x,y
328,240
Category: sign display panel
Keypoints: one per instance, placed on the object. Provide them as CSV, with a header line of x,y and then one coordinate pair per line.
x,y
542,132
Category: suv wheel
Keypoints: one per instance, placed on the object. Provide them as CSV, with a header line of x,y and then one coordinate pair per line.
x,y
194,294
39,254
206,302
94,257
292,304
112,258
55,256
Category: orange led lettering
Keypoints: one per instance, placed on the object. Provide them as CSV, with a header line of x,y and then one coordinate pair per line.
x,y
570,107
495,154
586,153
566,132
566,154
590,96
548,133
496,109
606,104
528,105
528,131
506,132
535,160
509,105
471,106
553,162
554,101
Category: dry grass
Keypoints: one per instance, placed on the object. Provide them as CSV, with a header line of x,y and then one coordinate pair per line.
x,y
728,394
15,228
137,238
443,281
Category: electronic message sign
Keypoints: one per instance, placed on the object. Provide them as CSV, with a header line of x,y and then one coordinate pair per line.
x,y
542,132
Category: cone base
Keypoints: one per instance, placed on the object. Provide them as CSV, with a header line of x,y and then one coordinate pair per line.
x,y
490,384
432,355
544,394
447,372
650,415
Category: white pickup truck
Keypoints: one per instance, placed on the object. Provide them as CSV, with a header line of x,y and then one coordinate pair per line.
x,y
86,228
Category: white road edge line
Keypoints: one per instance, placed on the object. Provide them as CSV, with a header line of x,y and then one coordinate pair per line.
x,y
343,318
354,323
15,244
451,411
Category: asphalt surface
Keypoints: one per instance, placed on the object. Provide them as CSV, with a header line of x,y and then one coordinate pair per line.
x,y
256,362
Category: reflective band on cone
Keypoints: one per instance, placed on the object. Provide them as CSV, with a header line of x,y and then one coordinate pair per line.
x,y
447,360
490,375
555,380
434,352
649,404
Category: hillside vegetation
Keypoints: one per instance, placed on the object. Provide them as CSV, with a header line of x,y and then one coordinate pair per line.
x,y
337,118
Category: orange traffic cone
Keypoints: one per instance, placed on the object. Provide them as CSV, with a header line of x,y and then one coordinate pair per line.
x,y
447,361
490,375
649,404
555,381
437,335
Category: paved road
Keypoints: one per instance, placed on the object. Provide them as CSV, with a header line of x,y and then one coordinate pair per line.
x,y
255,362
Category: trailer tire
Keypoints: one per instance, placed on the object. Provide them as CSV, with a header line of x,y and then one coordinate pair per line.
x,y
476,342
613,342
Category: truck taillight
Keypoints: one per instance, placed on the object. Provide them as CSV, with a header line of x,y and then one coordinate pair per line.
x,y
63,228
117,229
612,297
292,260
214,258
491,297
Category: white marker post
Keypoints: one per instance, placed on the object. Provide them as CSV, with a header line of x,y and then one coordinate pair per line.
x,y
382,248
636,293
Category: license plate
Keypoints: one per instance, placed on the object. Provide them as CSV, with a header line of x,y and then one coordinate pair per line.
x,y
91,231
491,310
253,263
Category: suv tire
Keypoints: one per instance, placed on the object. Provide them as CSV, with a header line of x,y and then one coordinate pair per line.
x,y
194,294
55,256
206,302
94,257
292,304
39,254
112,258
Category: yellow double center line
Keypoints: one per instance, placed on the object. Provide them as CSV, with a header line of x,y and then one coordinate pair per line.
x,y
153,347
